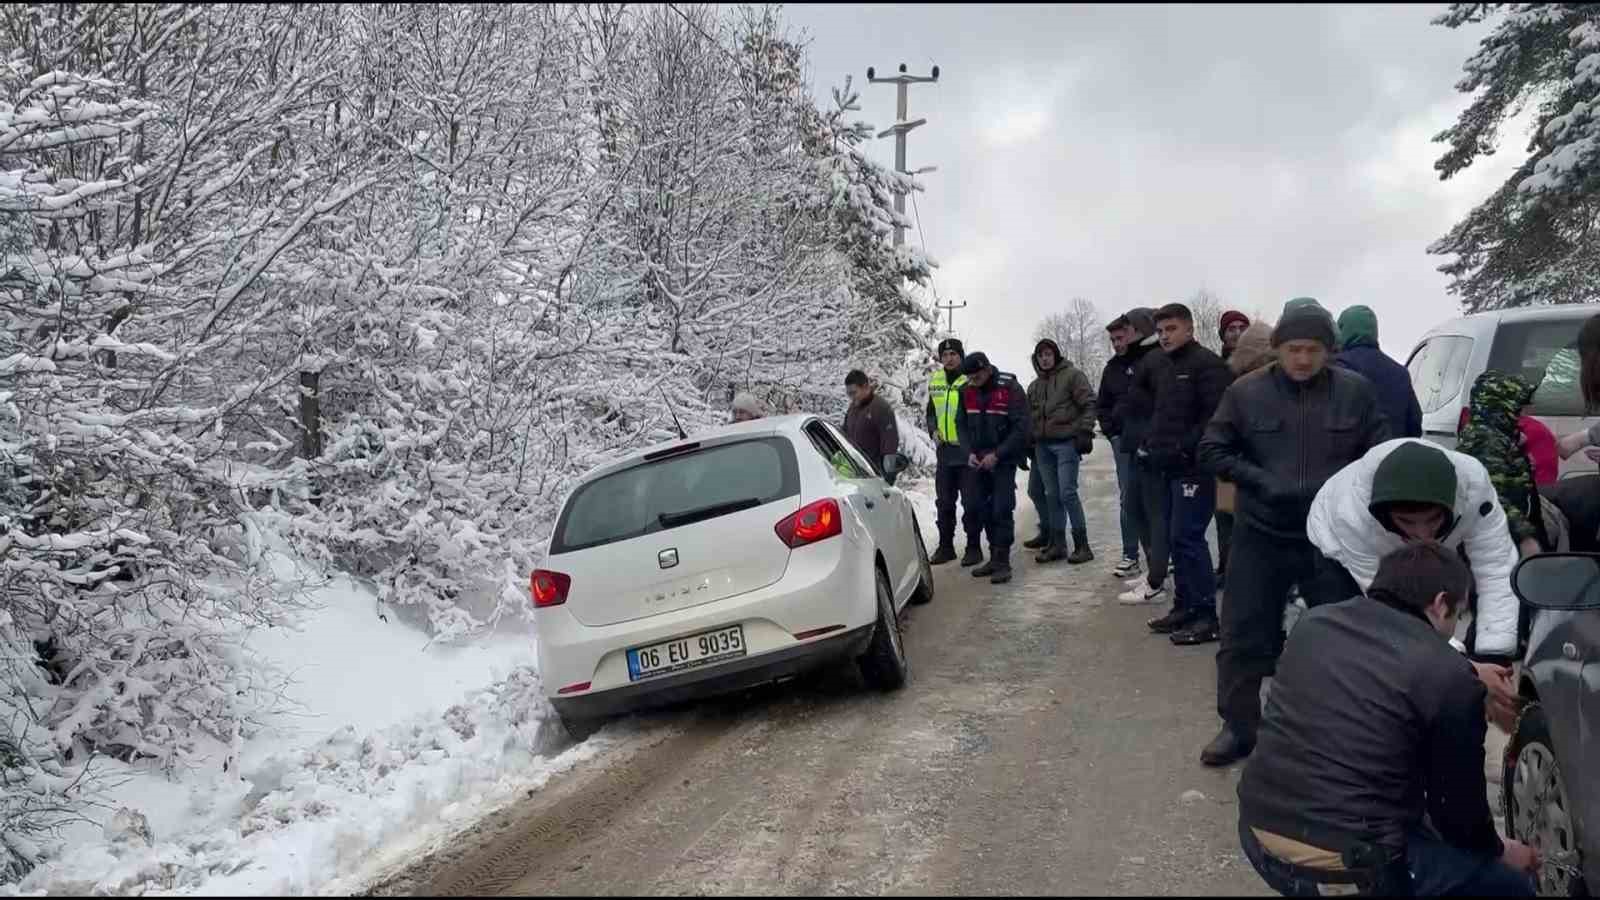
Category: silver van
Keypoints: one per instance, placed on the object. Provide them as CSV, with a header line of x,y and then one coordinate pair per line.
x,y
1539,343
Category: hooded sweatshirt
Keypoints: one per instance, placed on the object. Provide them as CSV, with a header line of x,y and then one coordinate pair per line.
x,y
1343,526
1491,437
1358,333
1060,400
1254,351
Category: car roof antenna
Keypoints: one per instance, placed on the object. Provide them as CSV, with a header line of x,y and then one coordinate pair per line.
x,y
673,412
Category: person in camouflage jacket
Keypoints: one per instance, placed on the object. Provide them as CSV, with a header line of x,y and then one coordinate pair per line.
x,y
1492,438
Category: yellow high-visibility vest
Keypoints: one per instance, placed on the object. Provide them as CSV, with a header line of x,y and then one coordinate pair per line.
x,y
946,399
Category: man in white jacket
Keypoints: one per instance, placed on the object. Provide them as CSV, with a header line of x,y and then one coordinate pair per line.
x,y
1408,490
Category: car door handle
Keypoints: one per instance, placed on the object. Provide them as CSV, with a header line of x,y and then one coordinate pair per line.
x,y
1569,650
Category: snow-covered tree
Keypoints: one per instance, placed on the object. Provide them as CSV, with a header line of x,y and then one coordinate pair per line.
x,y
1534,240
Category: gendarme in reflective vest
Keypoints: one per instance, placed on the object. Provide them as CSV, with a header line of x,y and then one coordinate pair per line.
x,y
946,398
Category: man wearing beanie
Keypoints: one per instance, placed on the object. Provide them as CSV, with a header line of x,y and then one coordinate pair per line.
x,y
1229,327
1134,414
952,477
1358,337
1408,490
1279,436
992,423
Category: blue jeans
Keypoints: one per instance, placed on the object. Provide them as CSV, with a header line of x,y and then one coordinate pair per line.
x,y
1127,500
1194,501
1057,462
1436,869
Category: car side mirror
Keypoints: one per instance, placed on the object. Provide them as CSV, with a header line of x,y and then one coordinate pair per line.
x,y
894,464
1564,581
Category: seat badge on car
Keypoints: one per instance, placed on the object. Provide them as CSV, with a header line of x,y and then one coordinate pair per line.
x,y
668,558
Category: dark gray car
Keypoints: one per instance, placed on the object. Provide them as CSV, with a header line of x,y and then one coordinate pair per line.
x,y
1552,763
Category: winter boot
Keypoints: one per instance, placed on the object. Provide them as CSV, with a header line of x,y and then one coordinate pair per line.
x,y
945,553
1000,562
1080,547
1175,620
1038,542
973,556
1226,748
1203,630
1057,549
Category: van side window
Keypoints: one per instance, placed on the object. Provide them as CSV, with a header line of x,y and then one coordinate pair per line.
x,y
1437,369
1546,355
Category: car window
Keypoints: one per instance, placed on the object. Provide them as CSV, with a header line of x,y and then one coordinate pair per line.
x,y
853,451
832,450
1546,354
1437,369
633,502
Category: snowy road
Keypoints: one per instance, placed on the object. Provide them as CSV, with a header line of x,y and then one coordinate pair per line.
x,y
1046,744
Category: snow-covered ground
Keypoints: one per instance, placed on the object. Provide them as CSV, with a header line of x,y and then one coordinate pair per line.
x,y
392,746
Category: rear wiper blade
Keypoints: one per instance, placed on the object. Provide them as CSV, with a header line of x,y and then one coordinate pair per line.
x,y
673,519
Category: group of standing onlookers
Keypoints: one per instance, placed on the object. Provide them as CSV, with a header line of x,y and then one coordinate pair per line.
x,y
1302,440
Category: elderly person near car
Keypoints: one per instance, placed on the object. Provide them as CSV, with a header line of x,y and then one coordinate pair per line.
x,y
1061,410
1374,721
1278,435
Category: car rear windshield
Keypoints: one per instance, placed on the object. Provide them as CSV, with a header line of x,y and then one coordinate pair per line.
x,y
1545,353
679,490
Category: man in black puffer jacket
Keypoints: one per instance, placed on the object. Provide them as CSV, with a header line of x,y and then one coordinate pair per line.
x,y
1185,401
1278,435
1132,415
1115,380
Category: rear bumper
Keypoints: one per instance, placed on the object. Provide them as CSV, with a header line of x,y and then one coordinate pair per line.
x,y
718,679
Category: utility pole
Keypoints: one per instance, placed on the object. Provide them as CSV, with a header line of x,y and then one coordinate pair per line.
x,y
951,308
901,127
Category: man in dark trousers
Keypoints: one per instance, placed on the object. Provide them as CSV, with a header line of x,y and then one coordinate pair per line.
x,y
869,423
1358,339
1373,721
993,426
1115,380
953,478
1134,414
1230,328
1278,435
1185,399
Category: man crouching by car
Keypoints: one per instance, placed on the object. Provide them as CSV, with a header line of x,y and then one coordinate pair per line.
x,y
1375,720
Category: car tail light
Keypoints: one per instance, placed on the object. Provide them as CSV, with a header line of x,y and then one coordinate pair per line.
x,y
1461,423
575,688
811,523
816,632
549,588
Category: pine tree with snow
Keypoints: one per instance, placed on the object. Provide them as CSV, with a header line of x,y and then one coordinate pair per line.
x,y
1534,239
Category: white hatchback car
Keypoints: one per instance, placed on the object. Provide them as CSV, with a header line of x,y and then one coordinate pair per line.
x,y
740,556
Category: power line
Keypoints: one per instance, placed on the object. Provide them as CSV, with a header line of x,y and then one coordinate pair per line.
x,y
951,307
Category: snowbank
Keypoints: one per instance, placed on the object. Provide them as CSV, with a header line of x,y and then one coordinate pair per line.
x,y
395,744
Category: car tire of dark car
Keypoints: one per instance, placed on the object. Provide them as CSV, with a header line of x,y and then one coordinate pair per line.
x,y
580,727
1537,808
884,666
924,592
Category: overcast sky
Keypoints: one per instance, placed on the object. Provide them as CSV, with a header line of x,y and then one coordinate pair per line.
x,y
1132,154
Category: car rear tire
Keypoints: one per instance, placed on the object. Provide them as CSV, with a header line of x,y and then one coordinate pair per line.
x,y
924,591
884,666
579,728
1538,809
